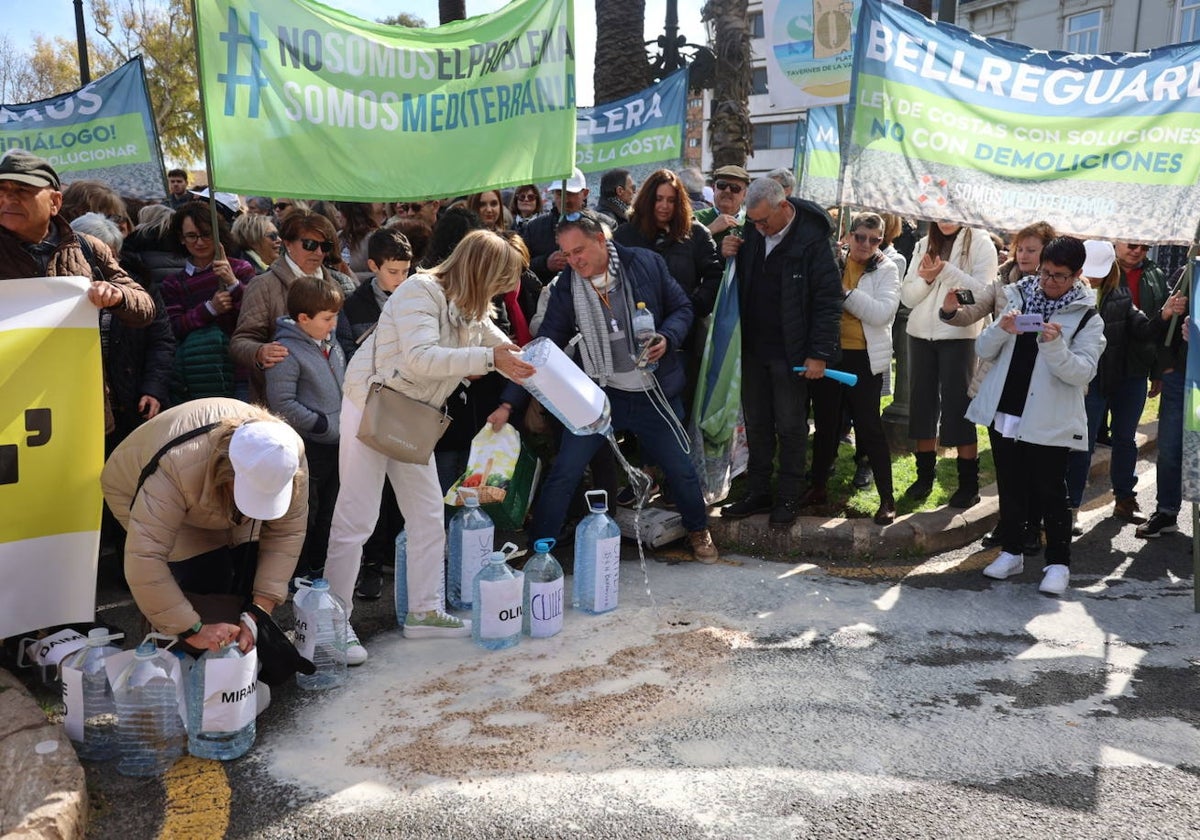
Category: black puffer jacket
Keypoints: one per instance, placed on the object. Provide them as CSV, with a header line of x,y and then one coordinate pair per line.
x,y
138,362
812,290
693,262
1125,328
539,237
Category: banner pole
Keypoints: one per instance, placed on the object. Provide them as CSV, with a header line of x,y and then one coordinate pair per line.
x,y
843,216
214,222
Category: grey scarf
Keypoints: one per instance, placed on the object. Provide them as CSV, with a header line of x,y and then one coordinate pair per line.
x,y
595,347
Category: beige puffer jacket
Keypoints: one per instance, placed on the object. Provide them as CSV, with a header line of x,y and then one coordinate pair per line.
x,y
423,345
180,512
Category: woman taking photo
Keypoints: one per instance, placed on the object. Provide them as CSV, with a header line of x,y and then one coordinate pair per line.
x,y
1046,344
942,356
434,331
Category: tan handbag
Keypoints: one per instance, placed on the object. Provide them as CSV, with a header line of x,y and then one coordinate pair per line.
x,y
397,426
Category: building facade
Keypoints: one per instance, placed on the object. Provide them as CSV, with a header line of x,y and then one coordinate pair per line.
x,y
1084,26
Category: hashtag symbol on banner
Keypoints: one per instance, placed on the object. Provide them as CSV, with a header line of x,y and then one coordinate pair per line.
x,y
254,80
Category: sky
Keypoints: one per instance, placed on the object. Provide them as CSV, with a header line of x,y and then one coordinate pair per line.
x,y
57,17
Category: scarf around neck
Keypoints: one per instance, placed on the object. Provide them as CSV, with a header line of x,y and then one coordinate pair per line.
x,y
595,348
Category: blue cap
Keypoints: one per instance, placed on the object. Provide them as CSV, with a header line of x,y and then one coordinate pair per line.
x,y
543,546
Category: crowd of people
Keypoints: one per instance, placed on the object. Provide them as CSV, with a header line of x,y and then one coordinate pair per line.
x,y
241,336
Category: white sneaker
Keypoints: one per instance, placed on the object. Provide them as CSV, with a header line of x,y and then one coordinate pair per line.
x,y
1055,579
1004,566
356,654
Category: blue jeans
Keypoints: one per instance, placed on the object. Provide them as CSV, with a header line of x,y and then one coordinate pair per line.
x,y
1126,403
635,413
1170,443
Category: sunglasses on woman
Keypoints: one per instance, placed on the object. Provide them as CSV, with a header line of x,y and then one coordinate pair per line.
x,y
314,244
527,197
863,239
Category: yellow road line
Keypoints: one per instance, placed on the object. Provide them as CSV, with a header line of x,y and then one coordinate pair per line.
x,y
198,798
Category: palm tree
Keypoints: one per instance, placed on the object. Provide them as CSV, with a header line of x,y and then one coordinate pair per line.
x,y
729,129
622,67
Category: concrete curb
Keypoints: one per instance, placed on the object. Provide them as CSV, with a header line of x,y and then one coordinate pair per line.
x,y
924,532
43,792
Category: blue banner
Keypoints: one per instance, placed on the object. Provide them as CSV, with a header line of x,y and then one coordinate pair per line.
x,y
819,156
946,125
105,131
641,133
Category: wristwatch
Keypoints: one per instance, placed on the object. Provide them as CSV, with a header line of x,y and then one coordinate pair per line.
x,y
191,631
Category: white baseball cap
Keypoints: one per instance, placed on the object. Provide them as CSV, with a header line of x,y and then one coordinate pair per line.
x,y
266,457
1100,258
575,184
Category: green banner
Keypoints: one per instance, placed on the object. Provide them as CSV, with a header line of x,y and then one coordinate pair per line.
x,y
306,101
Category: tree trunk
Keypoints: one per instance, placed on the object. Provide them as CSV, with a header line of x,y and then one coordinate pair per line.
x,y
729,130
621,64
449,10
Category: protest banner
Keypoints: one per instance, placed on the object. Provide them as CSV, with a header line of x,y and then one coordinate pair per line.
x,y
104,131
809,55
949,125
51,452
307,101
819,156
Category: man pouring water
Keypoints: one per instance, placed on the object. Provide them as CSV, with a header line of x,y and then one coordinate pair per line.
x,y
594,301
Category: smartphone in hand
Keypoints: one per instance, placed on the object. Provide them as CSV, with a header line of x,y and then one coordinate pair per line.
x,y
965,297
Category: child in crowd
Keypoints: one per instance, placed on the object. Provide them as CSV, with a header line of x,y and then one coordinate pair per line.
x,y
389,256
305,388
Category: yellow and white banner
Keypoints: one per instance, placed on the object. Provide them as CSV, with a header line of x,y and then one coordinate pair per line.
x,y
51,452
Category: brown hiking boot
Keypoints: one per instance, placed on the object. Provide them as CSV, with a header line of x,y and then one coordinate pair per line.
x,y
1127,510
702,546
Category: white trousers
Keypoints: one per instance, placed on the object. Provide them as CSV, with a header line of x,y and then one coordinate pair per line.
x,y
361,470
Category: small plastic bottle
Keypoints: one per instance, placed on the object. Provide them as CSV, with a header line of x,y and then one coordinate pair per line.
x,y
643,333
221,720
150,733
320,634
597,558
542,601
496,604
472,538
91,712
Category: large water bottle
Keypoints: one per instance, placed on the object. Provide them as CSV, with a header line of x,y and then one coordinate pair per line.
x,y
320,634
91,717
472,539
496,603
644,333
597,558
401,581
150,734
565,390
542,599
221,703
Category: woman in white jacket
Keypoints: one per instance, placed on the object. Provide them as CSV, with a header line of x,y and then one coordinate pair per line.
x,y
871,296
941,357
1032,403
434,331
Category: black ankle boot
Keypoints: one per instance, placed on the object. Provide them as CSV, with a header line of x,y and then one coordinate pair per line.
x,y
967,494
923,486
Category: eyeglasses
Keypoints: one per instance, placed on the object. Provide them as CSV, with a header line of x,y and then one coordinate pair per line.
x,y
758,222
196,237
282,205
273,236
527,197
729,186
863,239
1056,276
1133,247
412,207
314,244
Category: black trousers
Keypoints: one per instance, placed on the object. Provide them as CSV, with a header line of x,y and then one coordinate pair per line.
x,y
828,400
1028,474
322,495
775,407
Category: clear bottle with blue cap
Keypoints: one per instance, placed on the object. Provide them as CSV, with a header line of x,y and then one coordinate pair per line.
x,y
542,601
496,603
472,538
597,558
150,732
91,714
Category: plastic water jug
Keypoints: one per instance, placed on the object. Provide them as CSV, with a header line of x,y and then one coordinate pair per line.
x,y
565,390
221,704
597,558
542,599
496,603
320,634
401,581
150,733
472,539
643,332
91,714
